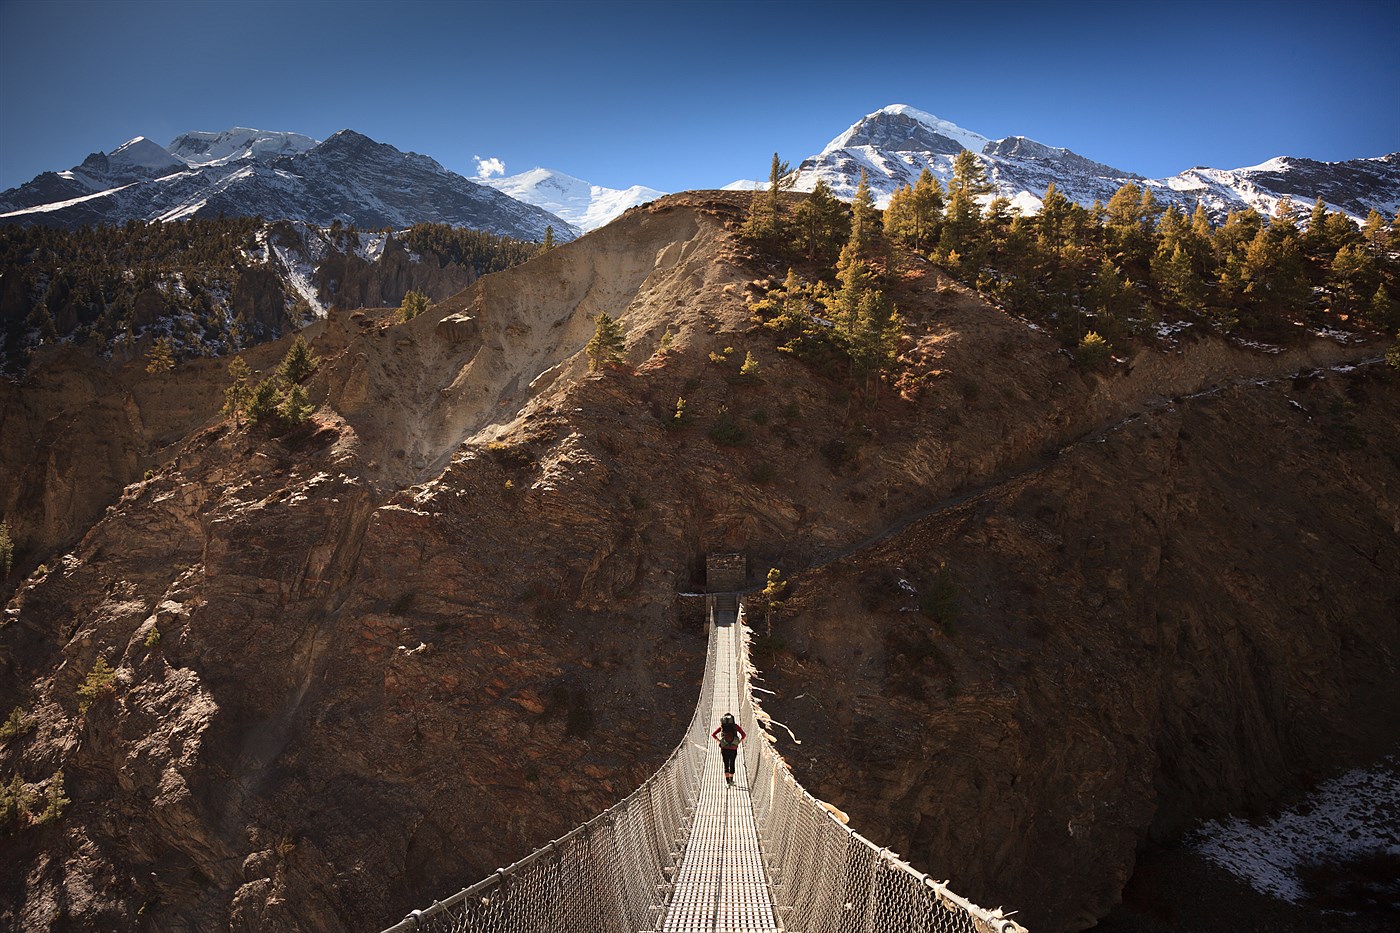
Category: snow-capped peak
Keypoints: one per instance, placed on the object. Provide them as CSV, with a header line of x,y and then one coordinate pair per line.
x,y
894,145
141,153
968,138
586,205
549,179
246,173
241,142
899,126
1276,164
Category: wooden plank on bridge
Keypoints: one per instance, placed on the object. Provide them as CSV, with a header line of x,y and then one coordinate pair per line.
x,y
721,885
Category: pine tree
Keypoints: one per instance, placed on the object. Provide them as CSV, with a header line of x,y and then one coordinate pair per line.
x,y
262,401
1093,351
1261,279
855,277
969,175
160,358
963,219
55,800
864,241
1201,228
1177,280
42,321
299,362
788,311
1176,230
1053,221
1232,238
1317,215
1108,295
237,394
1149,210
1284,220
1352,279
899,219
96,685
765,209
606,346
1383,313
996,221
548,243
820,222
873,336
1130,218
415,303
1327,234
761,223
866,322
749,368
296,407
1018,256
16,804
914,213
1375,233
1317,228
780,179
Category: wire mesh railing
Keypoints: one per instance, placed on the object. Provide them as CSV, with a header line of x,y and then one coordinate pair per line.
x,y
609,875
828,878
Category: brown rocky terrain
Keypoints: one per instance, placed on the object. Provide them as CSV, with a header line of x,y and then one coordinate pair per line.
x,y
439,624
1190,613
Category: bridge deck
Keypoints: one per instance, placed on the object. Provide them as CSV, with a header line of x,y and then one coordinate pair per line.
x,y
721,885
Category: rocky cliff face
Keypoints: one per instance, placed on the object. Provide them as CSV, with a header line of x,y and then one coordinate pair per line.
x,y
438,625
1098,636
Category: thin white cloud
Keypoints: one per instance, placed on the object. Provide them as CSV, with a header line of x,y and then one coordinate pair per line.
x,y
485,168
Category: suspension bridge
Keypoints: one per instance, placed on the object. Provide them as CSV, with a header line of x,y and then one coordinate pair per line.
x,y
687,853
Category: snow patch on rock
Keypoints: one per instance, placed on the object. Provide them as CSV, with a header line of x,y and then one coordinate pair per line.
x,y
1355,815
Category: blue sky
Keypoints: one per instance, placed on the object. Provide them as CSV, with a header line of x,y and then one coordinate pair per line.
x,y
688,95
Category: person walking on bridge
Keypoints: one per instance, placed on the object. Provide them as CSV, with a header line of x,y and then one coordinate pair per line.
x,y
728,735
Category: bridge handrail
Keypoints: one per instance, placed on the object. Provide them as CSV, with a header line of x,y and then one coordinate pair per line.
x,y
811,887
685,764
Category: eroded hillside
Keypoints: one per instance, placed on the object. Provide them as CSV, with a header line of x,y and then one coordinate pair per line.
x,y
367,662
1189,614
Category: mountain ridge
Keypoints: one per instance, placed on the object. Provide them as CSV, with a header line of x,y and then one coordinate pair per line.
x,y
349,178
895,143
285,175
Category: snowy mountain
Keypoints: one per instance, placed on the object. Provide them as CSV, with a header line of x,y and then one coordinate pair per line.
x,y
199,148
242,173
139,158
895,144
586,206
